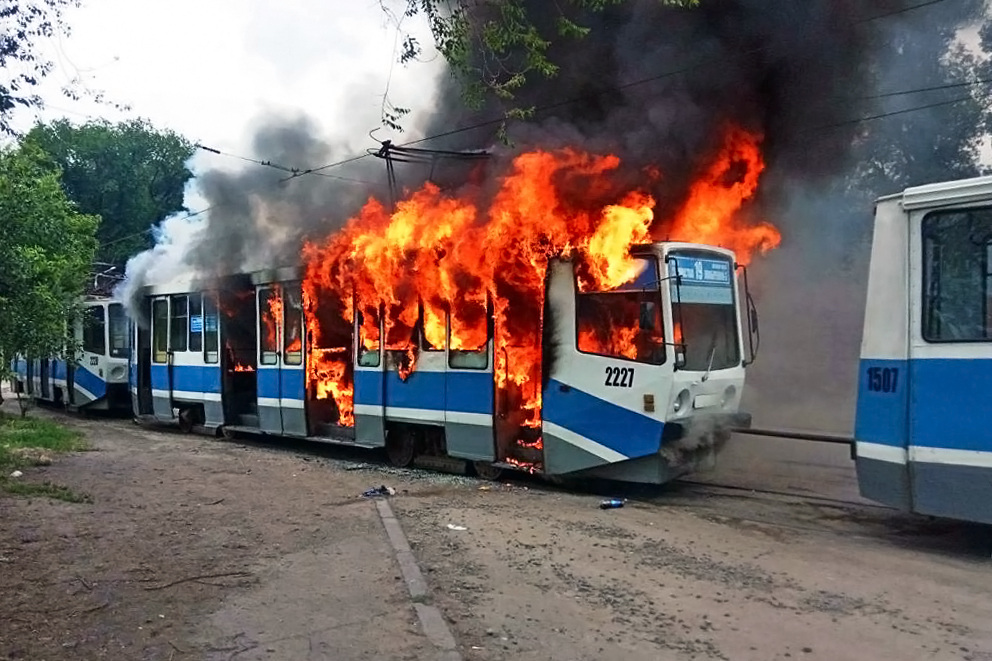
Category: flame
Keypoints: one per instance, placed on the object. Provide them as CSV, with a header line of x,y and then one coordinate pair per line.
x,y
272,318
439,258
327,369
243,368
710,212
526,466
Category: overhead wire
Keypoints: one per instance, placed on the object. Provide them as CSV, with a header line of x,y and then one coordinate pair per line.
x,y
277,166
615,88
190,214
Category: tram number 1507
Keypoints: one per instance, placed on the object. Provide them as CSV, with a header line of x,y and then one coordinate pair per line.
x,y
883,379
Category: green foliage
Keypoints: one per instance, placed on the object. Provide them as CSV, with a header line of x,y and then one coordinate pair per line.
x,y
26,442
18,434
46,248
926,145
496,47
923,146
130,174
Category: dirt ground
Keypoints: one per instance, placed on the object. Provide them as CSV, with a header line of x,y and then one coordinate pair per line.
x,y
195,548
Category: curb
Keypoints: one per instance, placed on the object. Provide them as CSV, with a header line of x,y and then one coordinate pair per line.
x,y
431,620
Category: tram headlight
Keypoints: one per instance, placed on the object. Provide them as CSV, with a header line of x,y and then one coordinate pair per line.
x,y
682,401
728,395
117,372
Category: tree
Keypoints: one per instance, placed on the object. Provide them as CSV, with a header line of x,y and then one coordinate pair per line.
x,y
22,25
46,248
495,48
130,174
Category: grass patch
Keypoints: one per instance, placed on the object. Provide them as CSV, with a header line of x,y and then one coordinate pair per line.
x,y
47,489
25,441
35,442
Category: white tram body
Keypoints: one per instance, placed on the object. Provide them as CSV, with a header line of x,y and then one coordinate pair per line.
x,y
923,438
96,378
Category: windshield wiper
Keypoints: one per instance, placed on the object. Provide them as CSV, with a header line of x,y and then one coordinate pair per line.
x,y
709,366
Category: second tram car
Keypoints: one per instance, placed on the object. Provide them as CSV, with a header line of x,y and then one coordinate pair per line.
x,y
923,442
97,377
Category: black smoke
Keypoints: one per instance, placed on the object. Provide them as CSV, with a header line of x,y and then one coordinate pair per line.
x,y
260,216
652,84
656,85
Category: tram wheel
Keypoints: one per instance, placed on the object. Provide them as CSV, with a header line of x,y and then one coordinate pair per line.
x,y
187,418
487,471
401,447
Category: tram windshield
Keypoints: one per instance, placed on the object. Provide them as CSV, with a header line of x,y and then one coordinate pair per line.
x,y
704,310
118,331
625,322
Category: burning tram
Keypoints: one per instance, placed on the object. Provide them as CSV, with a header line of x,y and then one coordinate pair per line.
x,y
638,381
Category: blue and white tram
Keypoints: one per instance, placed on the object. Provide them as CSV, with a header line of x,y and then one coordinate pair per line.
x,y
219,359
923,431
97,379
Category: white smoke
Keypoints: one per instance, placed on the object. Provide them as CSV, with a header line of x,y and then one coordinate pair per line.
x,y
174,238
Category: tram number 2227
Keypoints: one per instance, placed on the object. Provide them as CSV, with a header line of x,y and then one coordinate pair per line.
x,y
620,377
883,379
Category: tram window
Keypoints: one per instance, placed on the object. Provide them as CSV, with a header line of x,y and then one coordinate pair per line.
x,y
433,329
178,323
119,331
95,330
160,331
957,276
469,360
368,342
470,335
293,327
269,301
624,325
211,339
195,322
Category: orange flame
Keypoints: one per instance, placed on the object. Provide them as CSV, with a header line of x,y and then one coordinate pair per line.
x,y
327,369
439,259
710,212
272,318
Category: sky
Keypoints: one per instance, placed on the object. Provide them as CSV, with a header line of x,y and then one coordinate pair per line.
x,y
210,69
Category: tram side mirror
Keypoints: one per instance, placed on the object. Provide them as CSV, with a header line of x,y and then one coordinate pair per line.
x,y
753,316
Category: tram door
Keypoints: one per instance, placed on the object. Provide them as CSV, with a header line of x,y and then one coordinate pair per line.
x,y
142,374
292,375
369,395
281,376
161,355
469,401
